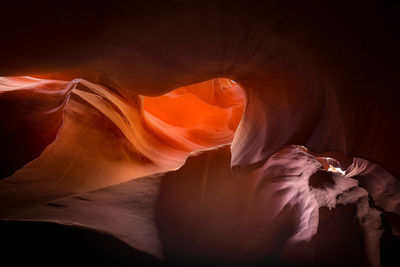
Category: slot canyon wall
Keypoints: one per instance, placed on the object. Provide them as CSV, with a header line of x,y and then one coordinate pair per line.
x,y
200,132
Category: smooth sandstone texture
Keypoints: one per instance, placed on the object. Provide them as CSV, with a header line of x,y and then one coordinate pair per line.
x,y
322,75
104,139
202,213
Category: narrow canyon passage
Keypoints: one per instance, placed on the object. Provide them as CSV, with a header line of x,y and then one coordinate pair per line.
x,y
276,213
184,133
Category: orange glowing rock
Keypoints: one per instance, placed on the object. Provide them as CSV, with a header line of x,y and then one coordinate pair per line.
x,y
204,114
100,138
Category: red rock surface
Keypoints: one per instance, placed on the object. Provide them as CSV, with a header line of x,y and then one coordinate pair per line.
x,y
319,75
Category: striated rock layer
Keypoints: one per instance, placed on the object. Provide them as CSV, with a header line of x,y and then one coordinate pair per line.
x,y
104,139
309,174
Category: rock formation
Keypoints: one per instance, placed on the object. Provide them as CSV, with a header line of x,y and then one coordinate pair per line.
x,y
225,132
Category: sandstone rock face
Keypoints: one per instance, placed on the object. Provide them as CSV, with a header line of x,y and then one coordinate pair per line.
x,y
292,110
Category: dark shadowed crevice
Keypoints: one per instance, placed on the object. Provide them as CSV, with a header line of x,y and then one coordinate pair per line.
x,y
50,244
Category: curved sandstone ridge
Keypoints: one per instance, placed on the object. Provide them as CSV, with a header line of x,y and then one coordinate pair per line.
x,y
105,139
303,66
309,173
271,215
